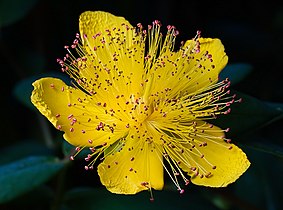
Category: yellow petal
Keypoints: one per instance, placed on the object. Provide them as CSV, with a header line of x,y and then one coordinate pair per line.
x,y
72,111
95,22
135,168
205,66
113,48
208,159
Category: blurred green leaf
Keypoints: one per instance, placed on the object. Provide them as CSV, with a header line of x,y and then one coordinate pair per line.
x,y
23,149
249,115
91,199
12,11
236,72
38,198
266,147
24,175
23,89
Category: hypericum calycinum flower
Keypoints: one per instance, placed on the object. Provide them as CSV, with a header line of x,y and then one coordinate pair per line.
x,y
141,105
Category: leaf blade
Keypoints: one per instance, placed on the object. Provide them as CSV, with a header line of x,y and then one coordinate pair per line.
x,y
24,175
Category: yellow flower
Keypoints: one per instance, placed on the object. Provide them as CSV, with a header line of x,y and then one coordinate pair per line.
x,y
142,106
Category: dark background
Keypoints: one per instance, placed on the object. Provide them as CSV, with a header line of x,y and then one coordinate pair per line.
x,y
251,32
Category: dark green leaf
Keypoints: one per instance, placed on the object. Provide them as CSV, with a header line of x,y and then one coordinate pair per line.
x,y
236,72
267,147
249,115
24,175
38,198
22,149
23,89
12,11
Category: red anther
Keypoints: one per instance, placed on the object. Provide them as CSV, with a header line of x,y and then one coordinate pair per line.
x,y
182,191
92,149
66,47
229,110
90,141
72,157
240,100
227,130
86,167
90,168
70,116
151,199
176,33
144,183
228,84
85,36
59,127
228,140
78,149
208,174
77,35
187,182
156,22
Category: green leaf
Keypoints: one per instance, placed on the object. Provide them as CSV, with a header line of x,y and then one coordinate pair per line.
x,y
91,199
24,175
23,89
236,72
266,147
23,149
249,115
12,11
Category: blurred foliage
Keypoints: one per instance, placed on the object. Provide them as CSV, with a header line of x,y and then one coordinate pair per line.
x,y
23,175
35,172
13,11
